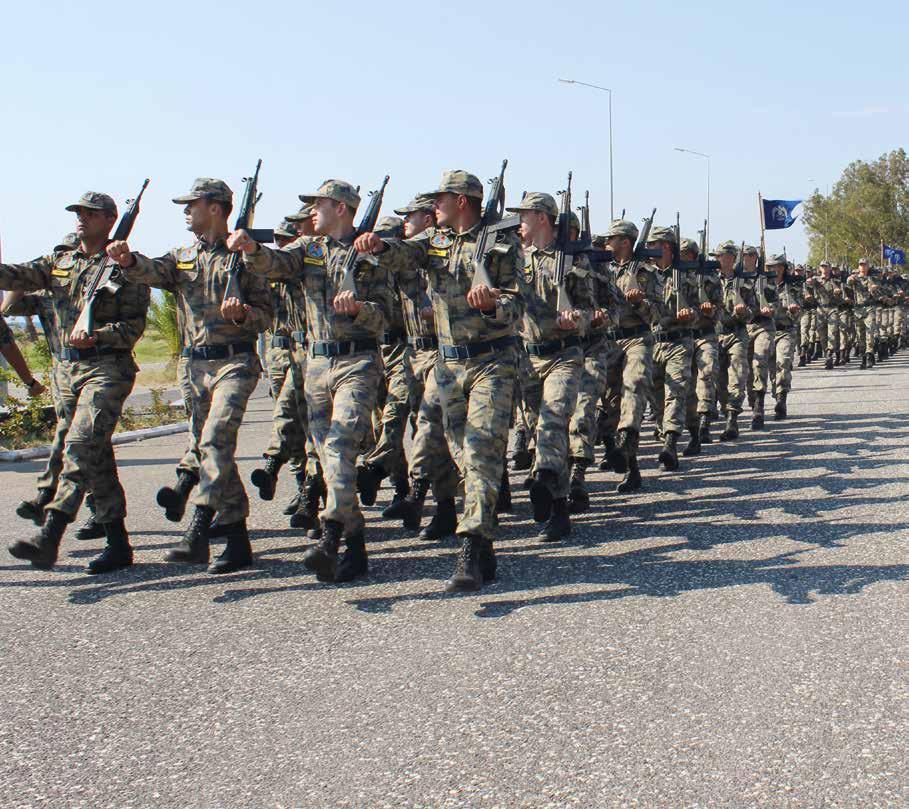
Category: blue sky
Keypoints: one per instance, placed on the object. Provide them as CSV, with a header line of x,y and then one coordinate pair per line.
x,y
100,95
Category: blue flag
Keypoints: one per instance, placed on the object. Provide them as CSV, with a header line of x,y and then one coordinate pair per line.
x,y
893,255
778,213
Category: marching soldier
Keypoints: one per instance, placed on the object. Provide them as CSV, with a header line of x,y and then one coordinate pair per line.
x,y
786,311
760,337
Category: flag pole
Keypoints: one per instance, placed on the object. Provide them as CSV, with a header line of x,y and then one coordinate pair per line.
x,y
761,211
882,251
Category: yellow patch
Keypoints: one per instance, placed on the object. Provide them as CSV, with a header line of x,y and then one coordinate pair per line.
x,y
186,265
319,262
60,273
439,253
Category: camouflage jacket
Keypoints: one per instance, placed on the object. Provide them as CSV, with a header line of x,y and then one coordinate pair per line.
x,y
649,311
197,276
412,299
447,257
736,291
671,302
119,317
40,305
861,288
606,297
707,289
764,291
541,318
787,294
316,263
289,305
823,292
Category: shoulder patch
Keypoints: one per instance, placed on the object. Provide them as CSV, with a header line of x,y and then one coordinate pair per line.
x,y
315,250
441,241
64,261
186,258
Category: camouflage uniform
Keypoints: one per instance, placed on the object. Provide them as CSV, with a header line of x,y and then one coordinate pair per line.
x,y
827,316
732,375
223,365
788,294
760,344
705,352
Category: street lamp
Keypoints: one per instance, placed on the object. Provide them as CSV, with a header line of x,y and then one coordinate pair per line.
x,y
605,90
707,158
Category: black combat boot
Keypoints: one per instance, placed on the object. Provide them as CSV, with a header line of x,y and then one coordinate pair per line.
x,y
871,360
847,355
307,514
559,524
34,509
578,499
882,351
488,563
693,447
237,552
266,479
522,457
608,451
837,358
173,500
669,456
779,409
353,562
864,363
467,575
632,480
503,504
619,455
219,530
193,548
91,529
731,432
818,350
396,509
369,479
757,416
828,365
541,494
412,512
704,421
322,559
803,356
443,523
118,552
41,550
297,499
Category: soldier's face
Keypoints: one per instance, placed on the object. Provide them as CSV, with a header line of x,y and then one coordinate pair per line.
x,y
326,215
416,222
305,227
198,215
727,261
688,255
863,269
93,224
749,261
531,224
621,247
446,206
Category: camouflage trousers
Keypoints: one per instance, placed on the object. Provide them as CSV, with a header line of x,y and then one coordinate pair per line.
x,y
476,396
671,382
392,423
92,396
190,460
760,352
221,390
523,417
340,397
630,381
550,395
429,455
886,327
51,474
702,391
289,419
784,351
807,327
592,388
732,370
828,327
899,321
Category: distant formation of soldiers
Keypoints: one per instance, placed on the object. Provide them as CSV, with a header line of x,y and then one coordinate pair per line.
x,y
446,322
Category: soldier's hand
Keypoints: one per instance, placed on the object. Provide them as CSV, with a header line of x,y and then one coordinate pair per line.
x,y
427,314
600,318
685,315
795,309
634,295
369,243
483,297
766,311
741,310
79,338
707,309
235,310
120,252
568,319
809,299
36,389
838,292
241,241
875,290
345,303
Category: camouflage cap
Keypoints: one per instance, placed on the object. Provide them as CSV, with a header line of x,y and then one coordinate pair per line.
x,y
95,201
623,227
729,248
390,226
286,228
305,212
458,181
750,250
421,202
824,263
863,261
662,234
689,245
70,242
537,201
598,240
338,190
776,258
206,188
573,221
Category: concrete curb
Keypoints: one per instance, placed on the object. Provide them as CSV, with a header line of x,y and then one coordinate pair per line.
x,y
34,453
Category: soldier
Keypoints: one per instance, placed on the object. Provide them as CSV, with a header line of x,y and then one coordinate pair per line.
x,y
223,365
786,311
738,305
476,328
673,351
828,295
94,374
343,368
847,320
808,324
553,344
760,336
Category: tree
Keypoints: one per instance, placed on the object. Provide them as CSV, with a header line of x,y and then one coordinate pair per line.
x,y
161,324
867,205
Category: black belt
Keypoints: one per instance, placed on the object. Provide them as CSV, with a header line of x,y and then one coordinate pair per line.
x,y
322,348
470,350
423,343
279,341
669,336
221,352
299,338
627,334
551,346
707,331
393,338
87,354
732,329
594,339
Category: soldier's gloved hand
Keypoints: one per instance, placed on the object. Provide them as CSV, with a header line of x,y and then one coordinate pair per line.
x,y
239,241
483,297
120,252
707,309
568,319
369,243
685,315
234,310
79,338
345,303
634,295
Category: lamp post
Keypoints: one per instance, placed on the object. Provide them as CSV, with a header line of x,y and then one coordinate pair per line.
x,y
707,158
605,90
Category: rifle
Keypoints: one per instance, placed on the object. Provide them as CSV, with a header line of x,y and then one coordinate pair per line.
x,y
367,225
244,222
566,249
108,274
492,214
678,279
585,218
641,252
738,273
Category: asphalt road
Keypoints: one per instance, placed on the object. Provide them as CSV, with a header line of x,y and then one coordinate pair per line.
x,y
734,635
